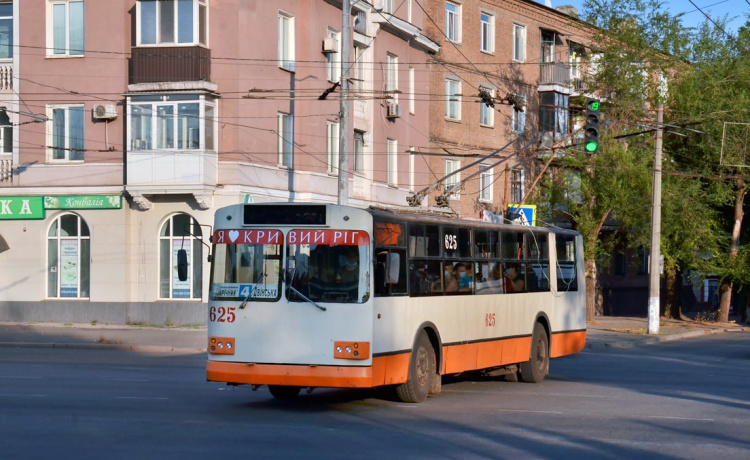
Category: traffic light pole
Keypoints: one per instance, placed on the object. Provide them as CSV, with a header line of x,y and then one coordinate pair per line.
x,y
654,305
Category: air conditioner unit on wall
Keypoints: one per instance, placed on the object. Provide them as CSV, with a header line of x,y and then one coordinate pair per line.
x,y
104,112
394,110
330,45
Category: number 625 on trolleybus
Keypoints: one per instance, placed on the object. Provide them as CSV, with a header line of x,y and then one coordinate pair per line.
x,y
321,295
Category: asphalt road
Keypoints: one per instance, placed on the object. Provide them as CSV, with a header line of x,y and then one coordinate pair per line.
x,y
687,399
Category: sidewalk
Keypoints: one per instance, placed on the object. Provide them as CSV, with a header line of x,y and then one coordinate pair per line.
x,y
621,332
606,331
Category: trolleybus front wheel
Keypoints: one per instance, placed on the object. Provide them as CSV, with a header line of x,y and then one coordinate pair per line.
x,y
422,371
537,367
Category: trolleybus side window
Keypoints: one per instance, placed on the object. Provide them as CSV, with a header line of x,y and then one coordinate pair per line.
x,y
328,265
566,263
536,267
390,274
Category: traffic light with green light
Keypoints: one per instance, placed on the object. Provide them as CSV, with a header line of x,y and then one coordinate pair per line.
x,y
591,130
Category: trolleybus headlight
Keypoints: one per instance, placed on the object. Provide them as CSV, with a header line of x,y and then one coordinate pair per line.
x,y
229,346
221,345
338,349
356,353
348,349
213,348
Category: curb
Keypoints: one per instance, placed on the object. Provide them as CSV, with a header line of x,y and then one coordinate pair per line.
x,y
657,340
105,346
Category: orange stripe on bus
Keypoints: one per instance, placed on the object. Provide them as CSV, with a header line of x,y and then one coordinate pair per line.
x,y
391,369
567,343
480,355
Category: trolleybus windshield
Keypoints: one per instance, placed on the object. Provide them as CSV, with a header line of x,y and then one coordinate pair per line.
x,y
328,265
247,265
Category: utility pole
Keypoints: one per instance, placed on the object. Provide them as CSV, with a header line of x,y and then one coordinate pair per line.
x,y
654,305
346,22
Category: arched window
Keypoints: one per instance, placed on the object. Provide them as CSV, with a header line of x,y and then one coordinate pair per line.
x,y
68,257
175,235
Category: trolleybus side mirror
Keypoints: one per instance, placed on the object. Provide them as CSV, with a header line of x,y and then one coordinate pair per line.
x,y
182,265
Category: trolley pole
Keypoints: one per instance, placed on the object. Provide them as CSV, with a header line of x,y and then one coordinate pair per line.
x,y
346,21
654,305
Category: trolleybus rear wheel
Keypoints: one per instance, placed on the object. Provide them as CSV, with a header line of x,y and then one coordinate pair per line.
x,y
537,367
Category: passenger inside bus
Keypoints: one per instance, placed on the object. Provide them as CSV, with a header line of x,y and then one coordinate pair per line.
x,y
462,277
449,282
513,279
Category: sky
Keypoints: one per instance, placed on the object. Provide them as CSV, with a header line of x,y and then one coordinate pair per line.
x,y
737,9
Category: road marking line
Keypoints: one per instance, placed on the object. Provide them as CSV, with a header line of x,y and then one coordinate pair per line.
x,y
28,396
531,411
683,418
138,397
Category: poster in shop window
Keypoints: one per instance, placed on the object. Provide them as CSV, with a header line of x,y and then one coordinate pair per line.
x,y
69,268
180,289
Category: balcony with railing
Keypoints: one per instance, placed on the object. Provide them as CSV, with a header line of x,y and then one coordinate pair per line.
x,y
554,73
170,64
6,170
6,77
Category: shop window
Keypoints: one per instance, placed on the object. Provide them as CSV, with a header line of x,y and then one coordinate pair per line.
x,y
180,231
68,258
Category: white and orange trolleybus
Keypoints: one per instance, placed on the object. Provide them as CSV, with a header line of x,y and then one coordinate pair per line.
x,y
321,295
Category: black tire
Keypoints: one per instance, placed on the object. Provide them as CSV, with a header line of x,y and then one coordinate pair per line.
x,y
537,367
283,392
421,372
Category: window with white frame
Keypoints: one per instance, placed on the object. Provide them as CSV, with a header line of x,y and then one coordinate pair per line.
x,y
359,151
6,133
452,99
452,166
519,42
68,257
332,146
392,162
285,139
486,111
65,33
172,122
453,21
286,41
180,232
485,183
516,185
65,133
172,22
518,120
358,69
486,32
391,81
6,30
333,60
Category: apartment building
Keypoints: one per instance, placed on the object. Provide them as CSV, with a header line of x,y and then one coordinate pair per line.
x,y
126,123
510,73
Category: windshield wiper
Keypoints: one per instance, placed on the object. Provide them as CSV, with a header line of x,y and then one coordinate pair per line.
x,y
247,297
305,298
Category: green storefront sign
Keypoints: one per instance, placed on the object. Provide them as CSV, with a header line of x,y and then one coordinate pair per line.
x,y
83,202
21,207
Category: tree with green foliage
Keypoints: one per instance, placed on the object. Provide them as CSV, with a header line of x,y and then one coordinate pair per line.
x,y
714,93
